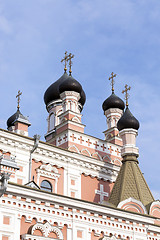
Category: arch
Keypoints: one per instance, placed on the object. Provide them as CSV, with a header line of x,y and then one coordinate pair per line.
x,y
133,205
97,156
52,235
46,186
51,121
47,230
155,209
58,113
56,231
76,119
73,148
117,162
106,158
86,152
39,227
38,232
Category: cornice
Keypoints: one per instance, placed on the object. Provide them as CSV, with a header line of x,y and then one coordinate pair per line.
x,y
39,196
48,153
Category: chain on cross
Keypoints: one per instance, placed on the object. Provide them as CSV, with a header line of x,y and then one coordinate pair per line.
x,y
112,80
65,59
126,93
18,100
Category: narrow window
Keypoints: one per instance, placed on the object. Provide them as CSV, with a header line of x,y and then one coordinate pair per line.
x,y
51,122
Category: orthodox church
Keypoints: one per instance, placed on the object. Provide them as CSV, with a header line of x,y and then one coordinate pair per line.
x,y
74,186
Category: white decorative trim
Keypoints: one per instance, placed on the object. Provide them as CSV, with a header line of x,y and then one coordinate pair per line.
x,y
133,200
96,153
85,149
76,119
109,238
73,146
48,171
46,229
155,203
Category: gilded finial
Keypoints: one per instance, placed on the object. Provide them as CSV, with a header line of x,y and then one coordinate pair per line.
x,y
70,62
126,93
112,80
65,59
18,99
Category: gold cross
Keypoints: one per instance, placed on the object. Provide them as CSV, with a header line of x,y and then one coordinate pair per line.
x,y
112,82
70,62
18,100
65,59
126,93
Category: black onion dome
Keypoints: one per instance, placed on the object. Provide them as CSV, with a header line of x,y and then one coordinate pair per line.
x,y
52,93
127,121
17,116
113,102
70,84
82,100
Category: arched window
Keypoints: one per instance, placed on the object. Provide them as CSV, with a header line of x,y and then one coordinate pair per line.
x,y
46,186
51,122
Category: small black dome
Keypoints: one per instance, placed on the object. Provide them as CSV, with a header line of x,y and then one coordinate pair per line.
x,y
17,116
127,121
113,102
52,93
70,84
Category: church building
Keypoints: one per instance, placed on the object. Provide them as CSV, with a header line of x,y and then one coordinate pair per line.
x,y
74,186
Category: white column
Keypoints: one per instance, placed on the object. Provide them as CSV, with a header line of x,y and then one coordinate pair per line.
x,y
38,178
69,234
17,228
56,181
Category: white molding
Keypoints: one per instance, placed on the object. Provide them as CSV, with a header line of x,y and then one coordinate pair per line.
x,y
74,203
46,229
133,200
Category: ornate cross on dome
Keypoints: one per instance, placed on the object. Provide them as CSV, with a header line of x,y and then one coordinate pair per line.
x,y
18,100
126,93
70,62
112,80
65,59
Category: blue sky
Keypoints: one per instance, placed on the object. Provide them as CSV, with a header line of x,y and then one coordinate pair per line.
x,y
122,36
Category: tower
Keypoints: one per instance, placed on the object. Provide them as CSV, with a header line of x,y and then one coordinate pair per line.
x,y
113,108
130,191
64,101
